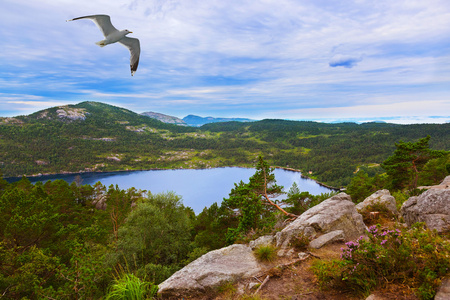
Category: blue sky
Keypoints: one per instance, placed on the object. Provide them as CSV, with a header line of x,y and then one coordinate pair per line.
x,y
300,60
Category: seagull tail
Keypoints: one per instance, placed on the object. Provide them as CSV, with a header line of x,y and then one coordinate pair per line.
x,y
101,43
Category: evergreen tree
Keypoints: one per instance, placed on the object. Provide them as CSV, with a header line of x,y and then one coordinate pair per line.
x,y
408,160
250,201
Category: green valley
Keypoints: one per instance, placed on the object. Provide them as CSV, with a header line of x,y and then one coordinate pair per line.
x,y
97,137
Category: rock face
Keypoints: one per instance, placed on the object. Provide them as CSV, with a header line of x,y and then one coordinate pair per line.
x,y
381,197
431,207
211,270
336,213
164,118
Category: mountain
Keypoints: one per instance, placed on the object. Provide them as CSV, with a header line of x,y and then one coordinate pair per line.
x,y
164,118
190,120
196,121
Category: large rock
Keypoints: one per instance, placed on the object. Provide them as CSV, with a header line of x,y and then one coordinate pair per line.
x,y
444,290
228,264
336,213
382,198
431,207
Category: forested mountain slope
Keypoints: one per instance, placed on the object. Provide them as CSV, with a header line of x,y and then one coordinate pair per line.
x,y
92,136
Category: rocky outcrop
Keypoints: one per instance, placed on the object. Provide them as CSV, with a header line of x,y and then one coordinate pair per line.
x,y
71,113
382,198
431,207
164,118
336,213
445,184
228,264
327,238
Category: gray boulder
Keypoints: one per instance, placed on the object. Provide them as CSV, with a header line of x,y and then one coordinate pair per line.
x,y
381,197
327,238
228,264
262,241
336,213
431,207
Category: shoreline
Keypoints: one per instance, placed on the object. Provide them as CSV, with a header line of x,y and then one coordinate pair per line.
x,y
159,169
306,177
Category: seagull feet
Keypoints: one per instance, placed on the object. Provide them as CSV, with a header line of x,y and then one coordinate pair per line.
x,y
101,43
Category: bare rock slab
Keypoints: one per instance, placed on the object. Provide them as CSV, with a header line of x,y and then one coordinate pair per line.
x,y
382,198
228,264
327,238
335,213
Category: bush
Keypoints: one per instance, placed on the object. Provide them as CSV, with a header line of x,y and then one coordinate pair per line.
x,y
266,253
156,273
417,258
383,214
301,242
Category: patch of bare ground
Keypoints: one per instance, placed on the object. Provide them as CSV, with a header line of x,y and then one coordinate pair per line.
x,y
295,281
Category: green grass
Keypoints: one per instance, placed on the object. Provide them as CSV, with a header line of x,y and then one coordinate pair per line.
x,y
266,253
130,287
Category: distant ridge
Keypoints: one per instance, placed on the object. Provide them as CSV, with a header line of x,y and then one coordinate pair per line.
x,y
190,120
193,120
164,118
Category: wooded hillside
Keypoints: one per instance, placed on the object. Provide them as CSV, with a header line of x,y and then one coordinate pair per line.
x,y
92,136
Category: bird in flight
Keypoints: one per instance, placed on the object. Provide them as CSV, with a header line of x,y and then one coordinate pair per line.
x,y
112,35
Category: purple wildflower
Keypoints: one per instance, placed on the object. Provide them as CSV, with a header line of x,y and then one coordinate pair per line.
x,y
373,229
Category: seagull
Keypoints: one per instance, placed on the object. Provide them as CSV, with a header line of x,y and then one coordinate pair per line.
x,y
113,35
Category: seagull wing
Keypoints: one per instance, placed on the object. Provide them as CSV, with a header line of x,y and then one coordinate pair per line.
x,y
102,21
135,50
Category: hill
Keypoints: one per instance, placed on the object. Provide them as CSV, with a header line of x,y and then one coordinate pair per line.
x,y
164,118
93,136
193,120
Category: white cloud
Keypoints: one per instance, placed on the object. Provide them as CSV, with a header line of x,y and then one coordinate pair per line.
x,y
249,55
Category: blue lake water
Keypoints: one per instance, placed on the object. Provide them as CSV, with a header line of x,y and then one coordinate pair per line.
x,y
198,188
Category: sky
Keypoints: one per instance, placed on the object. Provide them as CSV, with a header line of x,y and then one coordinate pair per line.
x,y
321,60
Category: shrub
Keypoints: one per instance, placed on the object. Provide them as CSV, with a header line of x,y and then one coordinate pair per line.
x,y
266,253
416,257
300,242
384,214
156,273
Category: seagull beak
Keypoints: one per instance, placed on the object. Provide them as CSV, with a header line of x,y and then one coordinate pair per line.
x,y
131,32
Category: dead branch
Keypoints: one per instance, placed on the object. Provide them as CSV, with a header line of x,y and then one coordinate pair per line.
x,y
262,284
293,262
312,254
271,202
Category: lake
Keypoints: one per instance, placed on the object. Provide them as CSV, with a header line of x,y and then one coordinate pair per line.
x,y
198,188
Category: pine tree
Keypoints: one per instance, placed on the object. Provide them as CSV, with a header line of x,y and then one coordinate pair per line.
x,y
408,160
